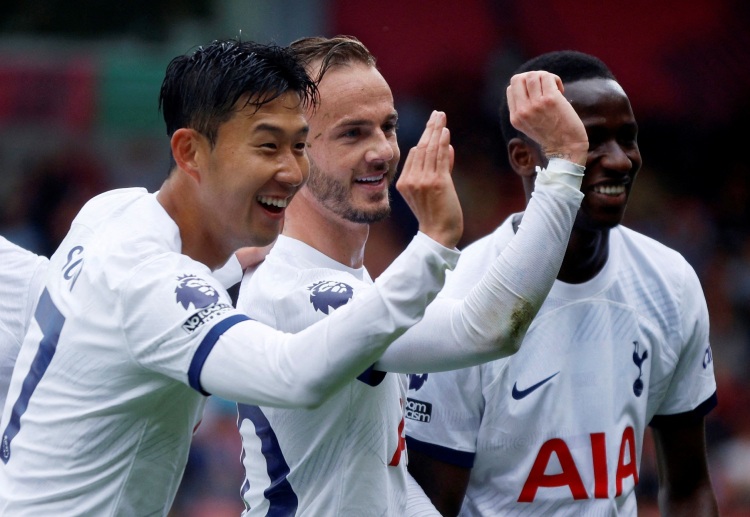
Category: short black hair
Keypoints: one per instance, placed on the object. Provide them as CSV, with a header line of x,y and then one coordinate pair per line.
x,y
200,90
569,65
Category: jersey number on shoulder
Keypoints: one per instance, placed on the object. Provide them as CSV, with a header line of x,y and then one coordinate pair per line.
x,y
50,321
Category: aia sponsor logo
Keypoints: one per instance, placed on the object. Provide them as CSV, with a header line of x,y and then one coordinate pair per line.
x,y
554,466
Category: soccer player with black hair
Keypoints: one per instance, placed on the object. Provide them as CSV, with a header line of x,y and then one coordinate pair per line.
x,y
620,343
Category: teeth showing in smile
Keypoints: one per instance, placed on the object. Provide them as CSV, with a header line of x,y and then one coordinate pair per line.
x,y
273,201
371,179
610,190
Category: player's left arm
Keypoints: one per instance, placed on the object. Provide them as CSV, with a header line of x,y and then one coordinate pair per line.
x,y
684,482
443,483
417,503
679,433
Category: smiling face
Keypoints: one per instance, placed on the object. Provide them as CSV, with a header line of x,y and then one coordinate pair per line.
x,y
257,164
352,144
613,157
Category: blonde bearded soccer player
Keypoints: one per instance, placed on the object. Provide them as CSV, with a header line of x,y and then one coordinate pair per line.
x,y
347,457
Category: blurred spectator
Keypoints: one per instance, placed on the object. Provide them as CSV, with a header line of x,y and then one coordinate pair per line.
x,y
211,483
50,195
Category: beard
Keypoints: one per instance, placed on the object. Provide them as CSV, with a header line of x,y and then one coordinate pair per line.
x,y
337,197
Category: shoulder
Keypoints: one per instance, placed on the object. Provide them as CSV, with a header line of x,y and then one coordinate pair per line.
x,y
647,245
658,275
109,205
22,278
122,229
650,255
19,266
120,242
292,291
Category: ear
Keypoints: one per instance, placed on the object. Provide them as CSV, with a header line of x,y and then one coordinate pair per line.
x,y
523,157
189,149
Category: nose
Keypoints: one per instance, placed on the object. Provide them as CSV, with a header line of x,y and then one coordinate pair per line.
x,y
381,149
294,170
616,158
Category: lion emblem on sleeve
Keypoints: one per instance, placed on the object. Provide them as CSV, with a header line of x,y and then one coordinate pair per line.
x,y
328,294
192,289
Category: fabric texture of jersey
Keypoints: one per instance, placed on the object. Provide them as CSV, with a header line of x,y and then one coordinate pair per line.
x,y
105,397
557,428
346,456
21,282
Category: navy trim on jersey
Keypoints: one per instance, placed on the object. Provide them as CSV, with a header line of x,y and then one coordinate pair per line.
x,y
452,456
50,321
371,376
699,412
280,495
199,359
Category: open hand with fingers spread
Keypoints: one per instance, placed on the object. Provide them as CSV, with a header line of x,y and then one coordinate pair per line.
x,y
539,110
427,186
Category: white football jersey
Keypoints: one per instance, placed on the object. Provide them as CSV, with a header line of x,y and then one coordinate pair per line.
x,y
109,383
105,394
345,457
21,282
557,429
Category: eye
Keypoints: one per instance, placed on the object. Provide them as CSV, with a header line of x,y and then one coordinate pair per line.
x,y
596,137
628,136
300,146
390,128
352,133
268,145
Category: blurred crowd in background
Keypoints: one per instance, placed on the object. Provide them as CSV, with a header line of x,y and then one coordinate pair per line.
x,y
79,85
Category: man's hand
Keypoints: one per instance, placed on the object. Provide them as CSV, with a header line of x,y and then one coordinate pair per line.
x,y
427,186
250,257
539,110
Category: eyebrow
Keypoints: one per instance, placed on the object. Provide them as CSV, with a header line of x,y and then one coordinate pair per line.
x,y
393,116
276,130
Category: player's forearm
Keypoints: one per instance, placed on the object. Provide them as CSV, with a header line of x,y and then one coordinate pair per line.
x,y
701,503
417,503
493,318
498,311
292,370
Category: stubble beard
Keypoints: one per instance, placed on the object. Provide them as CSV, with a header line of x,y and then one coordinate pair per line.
x,y
337,198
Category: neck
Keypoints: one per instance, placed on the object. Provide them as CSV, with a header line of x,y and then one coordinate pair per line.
x,y
341,240
198,242
586,255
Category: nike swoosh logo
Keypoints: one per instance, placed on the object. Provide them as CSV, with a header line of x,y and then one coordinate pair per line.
x,y
519,394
